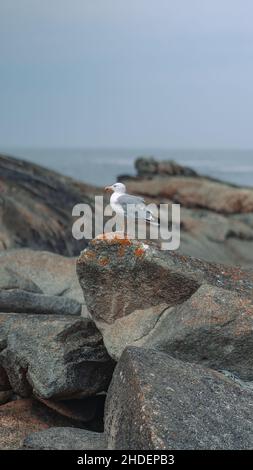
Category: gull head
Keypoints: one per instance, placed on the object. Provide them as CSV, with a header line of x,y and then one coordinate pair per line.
x,y
116,188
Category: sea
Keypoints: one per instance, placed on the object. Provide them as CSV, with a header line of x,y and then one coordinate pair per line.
x,y
101,166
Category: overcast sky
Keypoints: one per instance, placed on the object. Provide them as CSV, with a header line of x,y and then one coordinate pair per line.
x,y
126,73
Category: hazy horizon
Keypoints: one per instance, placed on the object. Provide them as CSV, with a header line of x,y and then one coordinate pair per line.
x,y
101,166
136,74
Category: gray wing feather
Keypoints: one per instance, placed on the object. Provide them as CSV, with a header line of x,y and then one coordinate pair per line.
x,y
129,199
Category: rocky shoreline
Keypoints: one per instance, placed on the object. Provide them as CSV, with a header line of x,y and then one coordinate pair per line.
x,y
125,346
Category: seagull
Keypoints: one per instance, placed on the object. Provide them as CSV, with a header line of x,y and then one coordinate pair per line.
x,y
121,202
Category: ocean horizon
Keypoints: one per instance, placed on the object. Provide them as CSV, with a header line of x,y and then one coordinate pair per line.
x,y
102,166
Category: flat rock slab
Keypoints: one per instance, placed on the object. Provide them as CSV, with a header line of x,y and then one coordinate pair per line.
x,y
10,279
65,439
53,356
157,402
196,192
20,301
53,274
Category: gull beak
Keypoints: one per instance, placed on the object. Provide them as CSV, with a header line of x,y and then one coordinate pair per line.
x,y
109,189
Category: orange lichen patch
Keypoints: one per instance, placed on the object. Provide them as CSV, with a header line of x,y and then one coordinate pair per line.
x,y
121,250
139,251
103,261
89,254
122,241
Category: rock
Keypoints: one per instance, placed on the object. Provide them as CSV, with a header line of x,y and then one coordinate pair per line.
x,y
5,388
216,237
128,285
214,327
174,405
54,274
83,410
149,167
4,381
58,293
65,439
197,193
19,301
22,417
5,396
55,277
36,207
216,217
53,356
9,279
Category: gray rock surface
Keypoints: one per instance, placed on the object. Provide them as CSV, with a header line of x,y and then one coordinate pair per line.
x,y
39,272
20,301
214,327
36,207
10,279
53,356
157,402
54,275
65,439
128,286
149,167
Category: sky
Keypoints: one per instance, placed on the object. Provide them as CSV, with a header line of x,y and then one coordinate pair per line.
x,y
126,73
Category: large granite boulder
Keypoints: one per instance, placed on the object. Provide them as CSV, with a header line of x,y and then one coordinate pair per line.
x,y
214,327
53,356
131,288
36,207
156,402
65,439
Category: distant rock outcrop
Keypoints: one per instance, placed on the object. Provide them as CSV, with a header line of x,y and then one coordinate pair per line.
x,y
150,167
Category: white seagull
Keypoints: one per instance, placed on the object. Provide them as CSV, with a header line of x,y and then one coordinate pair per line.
x,y
127,204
